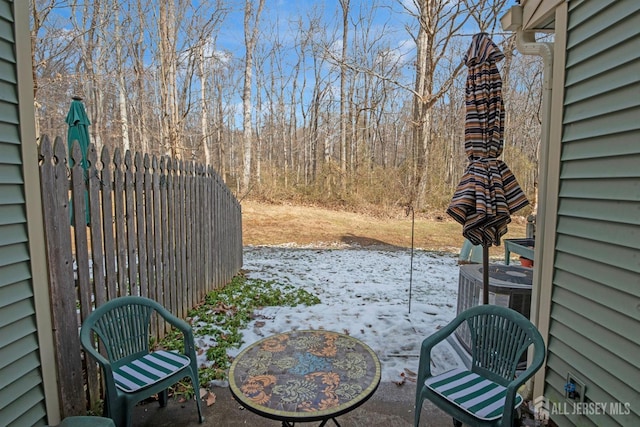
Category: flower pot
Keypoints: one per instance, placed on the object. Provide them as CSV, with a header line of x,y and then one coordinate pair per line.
x,y
526,262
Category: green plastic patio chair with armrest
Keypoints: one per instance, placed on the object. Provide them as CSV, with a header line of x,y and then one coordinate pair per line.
x,y
130,370
485,395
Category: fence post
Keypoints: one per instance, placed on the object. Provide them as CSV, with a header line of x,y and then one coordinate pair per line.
x,y
55,201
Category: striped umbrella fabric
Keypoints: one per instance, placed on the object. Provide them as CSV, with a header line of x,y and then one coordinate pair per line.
x,y
488,192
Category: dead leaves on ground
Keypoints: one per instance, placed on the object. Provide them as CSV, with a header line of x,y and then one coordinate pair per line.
x,y
207,397
407,375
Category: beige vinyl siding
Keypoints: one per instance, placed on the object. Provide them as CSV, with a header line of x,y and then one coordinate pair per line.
x,y
595,307
21,391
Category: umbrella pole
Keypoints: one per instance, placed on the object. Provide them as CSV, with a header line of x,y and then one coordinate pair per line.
x,y
485,274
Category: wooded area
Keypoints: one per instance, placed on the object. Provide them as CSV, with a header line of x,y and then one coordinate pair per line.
x,y
345,102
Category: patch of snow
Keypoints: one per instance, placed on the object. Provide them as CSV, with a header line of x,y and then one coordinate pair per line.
x,y
364,293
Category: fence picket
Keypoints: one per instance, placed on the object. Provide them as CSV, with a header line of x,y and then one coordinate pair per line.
x,y
143,278
163,223
120,223
171,236
179,214
156,236
110,250
148,234
133,287
97,251
191,301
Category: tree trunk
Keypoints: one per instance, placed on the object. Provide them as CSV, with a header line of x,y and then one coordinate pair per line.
x,y
122,89
419,121
251,20
343,95
204,122
168,75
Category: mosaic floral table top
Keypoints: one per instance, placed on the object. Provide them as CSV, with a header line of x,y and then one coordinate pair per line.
x,y
304,375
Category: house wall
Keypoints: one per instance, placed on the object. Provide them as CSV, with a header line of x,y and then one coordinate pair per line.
x,y
27,374
594,300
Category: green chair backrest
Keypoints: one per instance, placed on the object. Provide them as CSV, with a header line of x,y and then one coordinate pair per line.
x,y
499,338
122,325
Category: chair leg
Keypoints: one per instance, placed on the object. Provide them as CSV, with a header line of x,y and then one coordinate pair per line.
x,y
196,389
200,416
418,410
517,418
128,413
118,413
457,423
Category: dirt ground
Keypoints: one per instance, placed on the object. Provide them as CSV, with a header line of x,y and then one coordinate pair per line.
x,y
271,224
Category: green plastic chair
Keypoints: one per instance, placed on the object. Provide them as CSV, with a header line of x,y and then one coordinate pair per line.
x,y
485,395
131,372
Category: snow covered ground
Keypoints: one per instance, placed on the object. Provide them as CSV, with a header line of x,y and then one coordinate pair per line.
x,y
364,293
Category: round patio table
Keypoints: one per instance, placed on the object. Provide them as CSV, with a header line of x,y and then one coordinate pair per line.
x,y
303,376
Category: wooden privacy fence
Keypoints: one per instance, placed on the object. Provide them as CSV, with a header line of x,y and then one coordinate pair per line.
x,y
164,229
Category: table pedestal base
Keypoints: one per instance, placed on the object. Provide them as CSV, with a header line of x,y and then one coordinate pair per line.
x,y
323,423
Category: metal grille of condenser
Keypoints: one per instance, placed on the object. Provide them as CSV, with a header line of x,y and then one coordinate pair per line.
x,y
509,286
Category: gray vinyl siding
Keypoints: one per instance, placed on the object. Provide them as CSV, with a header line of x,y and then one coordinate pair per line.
x,y
594,329
21,391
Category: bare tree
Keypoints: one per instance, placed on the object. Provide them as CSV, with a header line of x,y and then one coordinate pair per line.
x,y
224,80
252,12
51,56
138,49
344,4
350,108
204,114
307,48
485,13
437,21
121,84
168,67
40,11
90,22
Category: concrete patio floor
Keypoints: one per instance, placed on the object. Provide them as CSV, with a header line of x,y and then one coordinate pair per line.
x,y
390,406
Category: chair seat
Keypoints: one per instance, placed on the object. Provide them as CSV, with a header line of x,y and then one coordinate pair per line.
x,y
478,396
148,370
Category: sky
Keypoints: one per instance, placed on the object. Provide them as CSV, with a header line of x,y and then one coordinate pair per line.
x,y
389,27
279,29
364,293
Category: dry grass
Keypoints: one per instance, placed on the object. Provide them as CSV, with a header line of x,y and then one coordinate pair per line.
x,y
272,224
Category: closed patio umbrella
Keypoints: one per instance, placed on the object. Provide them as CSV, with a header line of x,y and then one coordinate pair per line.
x,y
78,131
488,193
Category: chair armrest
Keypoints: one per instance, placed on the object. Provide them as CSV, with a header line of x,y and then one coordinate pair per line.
x,y
424,367
87,344
510,394
174,321
513,386
182,326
